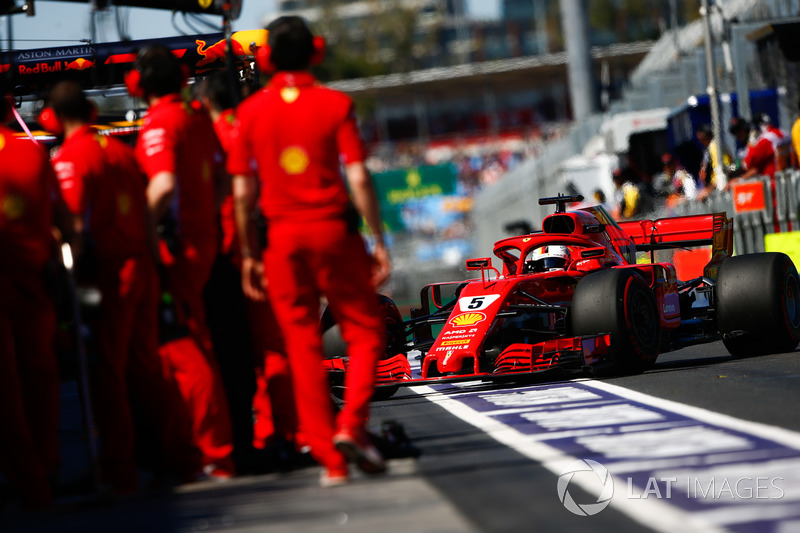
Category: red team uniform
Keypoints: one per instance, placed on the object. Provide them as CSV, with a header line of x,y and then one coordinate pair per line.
x,y
295,130
29,381
179,139
101,181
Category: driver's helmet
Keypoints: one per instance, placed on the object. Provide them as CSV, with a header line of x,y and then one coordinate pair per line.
x,y
549,258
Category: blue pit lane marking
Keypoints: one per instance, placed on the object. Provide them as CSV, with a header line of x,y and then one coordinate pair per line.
x,y
675,467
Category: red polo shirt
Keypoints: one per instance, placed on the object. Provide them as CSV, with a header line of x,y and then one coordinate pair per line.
x,y
177,138
28,192
295,130
101,180
761,156
225,127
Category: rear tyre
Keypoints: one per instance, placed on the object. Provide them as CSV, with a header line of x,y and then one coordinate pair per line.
x,y
619,302
758,304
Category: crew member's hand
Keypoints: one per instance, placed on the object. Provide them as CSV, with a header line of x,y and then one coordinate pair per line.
x,y
381,267
254,282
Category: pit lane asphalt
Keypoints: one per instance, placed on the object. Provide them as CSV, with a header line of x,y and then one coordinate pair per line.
x,y
464,481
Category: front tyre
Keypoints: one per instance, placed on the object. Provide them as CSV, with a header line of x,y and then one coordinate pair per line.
x,y
619,302
758,304
333,344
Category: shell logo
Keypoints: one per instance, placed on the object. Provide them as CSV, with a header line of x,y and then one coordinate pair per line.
x,y
294,160
413,179
467,319
289,94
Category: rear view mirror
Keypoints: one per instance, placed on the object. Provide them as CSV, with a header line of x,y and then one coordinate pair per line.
x,y
479,264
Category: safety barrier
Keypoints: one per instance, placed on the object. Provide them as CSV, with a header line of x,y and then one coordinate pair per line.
x,y
755,213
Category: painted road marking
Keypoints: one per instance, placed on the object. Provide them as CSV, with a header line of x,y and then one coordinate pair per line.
x,y
676,467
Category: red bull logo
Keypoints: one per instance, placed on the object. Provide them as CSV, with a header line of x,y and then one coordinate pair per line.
x,y
79,64
56,66
244,43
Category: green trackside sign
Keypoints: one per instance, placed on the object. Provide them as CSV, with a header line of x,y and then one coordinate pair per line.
x,y
396,188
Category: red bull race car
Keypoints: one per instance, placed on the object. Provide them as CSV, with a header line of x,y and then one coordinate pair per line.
x,y
587,293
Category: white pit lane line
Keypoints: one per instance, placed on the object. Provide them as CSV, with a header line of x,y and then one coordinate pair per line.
x,y
720,472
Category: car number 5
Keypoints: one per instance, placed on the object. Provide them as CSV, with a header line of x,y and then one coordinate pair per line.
x,y
475,303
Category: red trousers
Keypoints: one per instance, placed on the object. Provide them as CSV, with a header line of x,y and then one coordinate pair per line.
x,y
303,263
273,402
190,361
128,368
29,386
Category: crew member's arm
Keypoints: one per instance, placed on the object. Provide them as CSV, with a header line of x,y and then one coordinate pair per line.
x,y
365,199
244,198
160,192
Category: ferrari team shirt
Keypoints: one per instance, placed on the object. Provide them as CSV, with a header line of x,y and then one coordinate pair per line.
x,y
28,192
101,181
225,127
179,139
295,131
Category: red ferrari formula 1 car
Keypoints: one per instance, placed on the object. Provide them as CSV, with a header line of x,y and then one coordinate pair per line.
x,y
575,296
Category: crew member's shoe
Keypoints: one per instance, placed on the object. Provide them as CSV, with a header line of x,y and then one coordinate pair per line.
x,y
357,447
214,472
333,478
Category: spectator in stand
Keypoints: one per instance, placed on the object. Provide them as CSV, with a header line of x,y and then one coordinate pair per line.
x,y
742,133
182,158
683,186
29,378
245,332
709,172
104,189
781,141
627,196
296,130
764,156
600,199
761,157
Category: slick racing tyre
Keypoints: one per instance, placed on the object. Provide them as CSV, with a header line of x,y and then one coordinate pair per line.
x,y
758,304
333,344
619,302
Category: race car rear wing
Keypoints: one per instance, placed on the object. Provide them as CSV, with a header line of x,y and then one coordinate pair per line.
x,y
714,229
688,231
